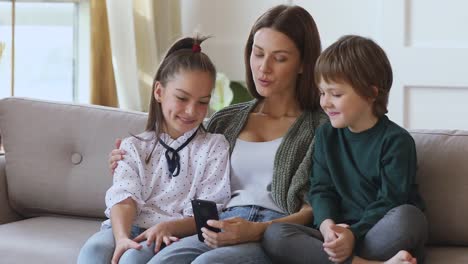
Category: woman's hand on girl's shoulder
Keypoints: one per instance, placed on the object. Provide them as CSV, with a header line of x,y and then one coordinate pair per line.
x,y
234,231
115,155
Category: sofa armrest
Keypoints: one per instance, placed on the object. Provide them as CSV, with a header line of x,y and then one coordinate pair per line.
x,y
6,212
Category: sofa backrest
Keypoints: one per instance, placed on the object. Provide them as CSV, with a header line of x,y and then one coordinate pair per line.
x,y
443,182
57,154
57,162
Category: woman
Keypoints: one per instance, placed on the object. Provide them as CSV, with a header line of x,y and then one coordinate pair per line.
x,y
279,124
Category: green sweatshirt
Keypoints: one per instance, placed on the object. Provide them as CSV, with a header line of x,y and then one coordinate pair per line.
x,y
358,177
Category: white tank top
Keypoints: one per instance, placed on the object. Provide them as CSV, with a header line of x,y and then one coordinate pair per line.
x,y
252,173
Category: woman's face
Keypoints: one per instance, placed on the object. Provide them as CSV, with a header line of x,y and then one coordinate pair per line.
x,y
275,62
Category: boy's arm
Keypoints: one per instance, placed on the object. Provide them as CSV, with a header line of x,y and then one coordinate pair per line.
x,y
322,193
397,173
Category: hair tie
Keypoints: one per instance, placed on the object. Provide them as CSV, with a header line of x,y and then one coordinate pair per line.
x,y
196,48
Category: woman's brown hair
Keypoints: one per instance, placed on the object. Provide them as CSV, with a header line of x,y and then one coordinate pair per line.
x,y
296,23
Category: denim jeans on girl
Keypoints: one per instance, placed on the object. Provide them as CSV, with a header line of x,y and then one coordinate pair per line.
x,y
100,248
191,250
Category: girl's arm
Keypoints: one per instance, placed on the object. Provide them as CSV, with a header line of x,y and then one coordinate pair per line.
x,y
214,183
167,232
122,215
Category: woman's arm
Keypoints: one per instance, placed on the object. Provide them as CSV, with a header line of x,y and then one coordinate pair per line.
x,y
115,155
303,217
238,230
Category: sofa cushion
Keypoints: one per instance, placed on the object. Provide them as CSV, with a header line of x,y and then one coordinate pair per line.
x,y
445,255
443,180
57,154
45,239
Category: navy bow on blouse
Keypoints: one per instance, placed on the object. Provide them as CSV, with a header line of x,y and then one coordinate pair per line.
x,y
174,162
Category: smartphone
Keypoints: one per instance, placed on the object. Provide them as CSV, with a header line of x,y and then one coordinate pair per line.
x,y
203,211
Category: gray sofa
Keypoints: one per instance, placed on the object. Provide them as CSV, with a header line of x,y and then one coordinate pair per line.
x,y
54,175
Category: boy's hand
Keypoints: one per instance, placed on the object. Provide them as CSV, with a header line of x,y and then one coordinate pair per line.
x,y
341,248
327,233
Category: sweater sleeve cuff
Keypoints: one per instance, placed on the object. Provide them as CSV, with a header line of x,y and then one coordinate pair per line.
x,y
322,214
359,230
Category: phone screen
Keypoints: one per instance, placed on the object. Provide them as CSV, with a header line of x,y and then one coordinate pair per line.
x,y
203,211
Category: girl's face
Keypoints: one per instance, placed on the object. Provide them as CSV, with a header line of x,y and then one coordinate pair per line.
x,y
275,62
345,107
184,101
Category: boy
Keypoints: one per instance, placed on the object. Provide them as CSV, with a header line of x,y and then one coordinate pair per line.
x,y
363,191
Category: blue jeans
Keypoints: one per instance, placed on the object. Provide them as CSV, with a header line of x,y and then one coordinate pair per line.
x,y
100,248
191,250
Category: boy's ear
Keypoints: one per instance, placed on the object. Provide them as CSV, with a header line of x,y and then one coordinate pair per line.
x,y
375,92
157,91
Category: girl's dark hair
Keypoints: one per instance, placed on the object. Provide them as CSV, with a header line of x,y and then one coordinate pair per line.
x,y
361,63
296,23
181,56
184,55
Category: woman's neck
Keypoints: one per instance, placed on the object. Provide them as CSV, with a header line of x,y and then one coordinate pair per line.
x,y
278,107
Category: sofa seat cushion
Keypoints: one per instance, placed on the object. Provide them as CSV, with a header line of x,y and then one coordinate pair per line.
x,y
45,239
444,255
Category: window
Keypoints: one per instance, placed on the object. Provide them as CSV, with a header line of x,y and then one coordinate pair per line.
x,y
51,50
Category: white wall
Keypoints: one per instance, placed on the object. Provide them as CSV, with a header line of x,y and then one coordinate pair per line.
x,y
426,41
229,23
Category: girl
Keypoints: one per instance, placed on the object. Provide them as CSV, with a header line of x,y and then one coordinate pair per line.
x,y
174,161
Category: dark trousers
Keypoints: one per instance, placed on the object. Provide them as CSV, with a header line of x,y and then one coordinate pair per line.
x,y
402,228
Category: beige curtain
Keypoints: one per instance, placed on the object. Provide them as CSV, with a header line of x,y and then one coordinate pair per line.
x,y
141,31
103,91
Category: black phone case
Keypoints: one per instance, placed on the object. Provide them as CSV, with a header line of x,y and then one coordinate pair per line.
x,y
203,211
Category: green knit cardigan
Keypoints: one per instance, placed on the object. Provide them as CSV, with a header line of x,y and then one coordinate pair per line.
x,y
293,159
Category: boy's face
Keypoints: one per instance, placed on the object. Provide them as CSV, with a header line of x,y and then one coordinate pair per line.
x,y
345,107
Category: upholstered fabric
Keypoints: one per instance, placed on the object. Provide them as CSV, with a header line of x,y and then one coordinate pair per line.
x,y
6,213
447,255
443,182
56,154
45,239
55,171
